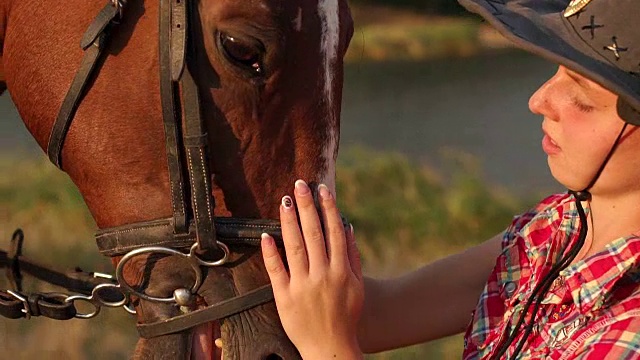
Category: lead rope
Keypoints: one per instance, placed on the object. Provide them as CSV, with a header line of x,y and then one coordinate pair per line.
x,y
540,291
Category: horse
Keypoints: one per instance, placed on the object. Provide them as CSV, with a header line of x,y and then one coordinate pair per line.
x,y
268,75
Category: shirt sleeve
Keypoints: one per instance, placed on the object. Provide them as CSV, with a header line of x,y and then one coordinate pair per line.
x,y
619,340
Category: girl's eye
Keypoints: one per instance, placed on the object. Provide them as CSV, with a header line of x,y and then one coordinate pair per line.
x,y
582,106
245,54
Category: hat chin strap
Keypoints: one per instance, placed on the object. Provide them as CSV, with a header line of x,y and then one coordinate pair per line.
x,y
544,285
627,112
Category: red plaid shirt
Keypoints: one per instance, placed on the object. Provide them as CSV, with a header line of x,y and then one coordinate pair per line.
x,y
592,310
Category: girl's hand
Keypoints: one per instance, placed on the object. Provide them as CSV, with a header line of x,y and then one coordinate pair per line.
x,y
320,300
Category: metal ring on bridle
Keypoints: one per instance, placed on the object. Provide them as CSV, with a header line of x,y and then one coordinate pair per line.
x,y
219,262
194,261
97,301
88,299
155,249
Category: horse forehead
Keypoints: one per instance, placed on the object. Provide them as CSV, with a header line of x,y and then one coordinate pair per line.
x,y
307,13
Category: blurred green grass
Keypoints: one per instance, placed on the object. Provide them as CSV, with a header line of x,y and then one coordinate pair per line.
x,y
404,215
415,41
388,33
36,196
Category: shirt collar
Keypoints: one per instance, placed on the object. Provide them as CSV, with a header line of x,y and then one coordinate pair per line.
x,y
590,280
586,282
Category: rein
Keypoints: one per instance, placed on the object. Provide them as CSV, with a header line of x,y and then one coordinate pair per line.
x,y
192,232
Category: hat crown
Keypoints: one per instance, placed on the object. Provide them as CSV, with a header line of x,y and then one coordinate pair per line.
x,y
606,26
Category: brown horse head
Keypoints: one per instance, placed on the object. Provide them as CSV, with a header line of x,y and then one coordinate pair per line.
x,y
269,75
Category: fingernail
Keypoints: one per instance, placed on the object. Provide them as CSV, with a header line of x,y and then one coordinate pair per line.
x,y
324,192
351,228
287,202
266,239
302,188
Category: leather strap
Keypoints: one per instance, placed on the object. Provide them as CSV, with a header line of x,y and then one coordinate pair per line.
x,y
232,231
49,305
99,25
76,280
13,260
93,43
72,100
195,143
171,124
179,33
10,307
215,312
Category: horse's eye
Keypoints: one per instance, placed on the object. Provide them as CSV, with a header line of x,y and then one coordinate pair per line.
x,y
244,53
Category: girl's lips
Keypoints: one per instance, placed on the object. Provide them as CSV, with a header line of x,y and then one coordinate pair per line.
x,y
549,146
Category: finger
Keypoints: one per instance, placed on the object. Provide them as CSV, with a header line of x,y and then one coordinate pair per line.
x,y
354,254
293,241
273,263
311,228
334,230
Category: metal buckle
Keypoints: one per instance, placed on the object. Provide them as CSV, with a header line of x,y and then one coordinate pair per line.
x,y
26,310
119,5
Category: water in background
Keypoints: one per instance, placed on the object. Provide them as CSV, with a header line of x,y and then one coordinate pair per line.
x,y
14,138
477,105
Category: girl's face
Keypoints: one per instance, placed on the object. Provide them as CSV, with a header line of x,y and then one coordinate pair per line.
x,y
580,126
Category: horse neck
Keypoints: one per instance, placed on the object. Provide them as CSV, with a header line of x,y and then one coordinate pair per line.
x,y
113,151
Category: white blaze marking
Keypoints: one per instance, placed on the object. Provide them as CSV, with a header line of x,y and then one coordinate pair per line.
x,y
329,16
298,21
329,177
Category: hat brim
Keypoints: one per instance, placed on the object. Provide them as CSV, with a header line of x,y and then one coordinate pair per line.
x,y
545,32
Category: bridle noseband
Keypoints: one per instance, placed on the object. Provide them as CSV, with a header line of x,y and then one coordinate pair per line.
x,y
192,232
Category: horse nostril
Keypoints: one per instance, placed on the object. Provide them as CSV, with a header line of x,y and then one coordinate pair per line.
x,y
273,357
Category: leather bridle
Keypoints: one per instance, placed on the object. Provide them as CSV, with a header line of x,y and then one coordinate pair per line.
x,y
192,232
186,148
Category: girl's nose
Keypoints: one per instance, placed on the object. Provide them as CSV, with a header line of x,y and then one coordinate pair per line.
x,y
541,102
